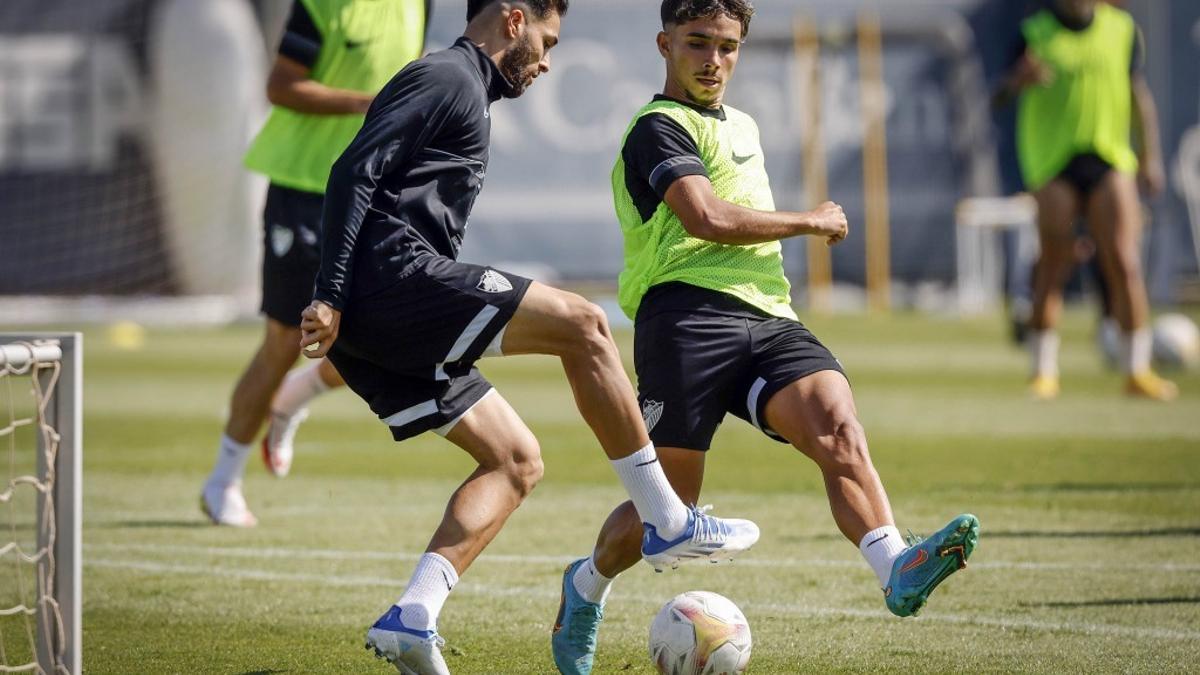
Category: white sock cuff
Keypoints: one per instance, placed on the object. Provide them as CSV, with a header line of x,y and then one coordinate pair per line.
x,y
887,538
1044,346
880,547
231,462
590,583
1137,348
439,563
230,444
642,456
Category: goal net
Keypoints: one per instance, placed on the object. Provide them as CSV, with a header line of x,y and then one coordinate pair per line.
x,y
40,503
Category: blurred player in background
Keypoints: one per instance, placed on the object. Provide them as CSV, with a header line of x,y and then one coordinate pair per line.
x,y
1082,97
405,321
715,332
334,56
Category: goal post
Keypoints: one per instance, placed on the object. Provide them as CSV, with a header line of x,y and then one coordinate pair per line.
x,y
52,365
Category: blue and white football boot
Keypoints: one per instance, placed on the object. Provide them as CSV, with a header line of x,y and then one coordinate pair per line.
x,y
413,652
705,537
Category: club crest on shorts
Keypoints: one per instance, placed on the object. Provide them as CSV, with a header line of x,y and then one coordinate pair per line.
x,y
494,282
651,413
281,240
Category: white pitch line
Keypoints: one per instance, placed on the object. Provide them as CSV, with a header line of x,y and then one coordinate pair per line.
x,y
525,559
549,594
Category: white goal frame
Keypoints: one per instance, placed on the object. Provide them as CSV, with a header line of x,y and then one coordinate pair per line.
x,y
64,413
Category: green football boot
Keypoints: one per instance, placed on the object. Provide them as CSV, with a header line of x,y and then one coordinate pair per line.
x,y
927,562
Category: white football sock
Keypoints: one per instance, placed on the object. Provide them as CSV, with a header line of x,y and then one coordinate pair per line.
x,y
880,547
590,583
1043,348
1136,350
300,386
652,495
427,591
231,462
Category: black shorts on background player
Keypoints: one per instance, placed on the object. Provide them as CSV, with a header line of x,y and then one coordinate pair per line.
x,y
1084,172
409,351
700,354
291,252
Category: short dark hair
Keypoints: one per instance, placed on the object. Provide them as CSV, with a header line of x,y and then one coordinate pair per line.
x,y
541,8
676,12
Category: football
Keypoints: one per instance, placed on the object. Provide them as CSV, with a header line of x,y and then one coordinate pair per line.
x,y
700,633
1176,341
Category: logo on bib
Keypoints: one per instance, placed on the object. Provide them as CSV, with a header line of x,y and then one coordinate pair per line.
x,y
494,282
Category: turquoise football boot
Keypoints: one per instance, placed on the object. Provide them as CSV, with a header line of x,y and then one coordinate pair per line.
x,y
573,640
927,562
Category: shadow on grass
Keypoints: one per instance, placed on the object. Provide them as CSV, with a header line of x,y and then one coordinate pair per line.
x,y
1109,487
264,672
1093,534
1119,602
144,524
1040,534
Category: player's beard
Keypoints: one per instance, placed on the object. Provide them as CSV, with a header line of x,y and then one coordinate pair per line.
x,y
514,65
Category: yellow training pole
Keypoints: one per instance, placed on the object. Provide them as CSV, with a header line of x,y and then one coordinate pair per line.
x,y
875,170
816,179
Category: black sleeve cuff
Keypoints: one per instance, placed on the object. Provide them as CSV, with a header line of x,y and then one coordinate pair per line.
x,y
301,39
670,170
300,49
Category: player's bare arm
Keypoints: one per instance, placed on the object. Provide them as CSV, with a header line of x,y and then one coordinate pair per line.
x,y
1028,71
290,86
318,329
1151,174
706,216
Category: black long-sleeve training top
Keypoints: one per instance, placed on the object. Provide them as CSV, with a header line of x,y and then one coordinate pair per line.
x,y
406,184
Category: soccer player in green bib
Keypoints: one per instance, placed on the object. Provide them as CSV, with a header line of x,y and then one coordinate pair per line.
x,y
333,58
715,332
1082,95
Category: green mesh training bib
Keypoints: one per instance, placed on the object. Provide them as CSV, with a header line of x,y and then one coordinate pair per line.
x,y
1087,107
661,250
363,44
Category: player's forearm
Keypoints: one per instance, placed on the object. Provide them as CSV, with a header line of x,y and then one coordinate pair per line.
x,y
1145,123
346,202
313,98
1007,91
727,223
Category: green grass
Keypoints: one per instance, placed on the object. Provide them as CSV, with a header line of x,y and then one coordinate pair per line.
x,y
1090,507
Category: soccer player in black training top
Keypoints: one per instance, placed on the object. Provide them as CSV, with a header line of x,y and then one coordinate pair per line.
x,y
404,322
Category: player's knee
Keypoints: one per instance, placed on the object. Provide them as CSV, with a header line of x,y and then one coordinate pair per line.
x,y
589,332
846,447
525,468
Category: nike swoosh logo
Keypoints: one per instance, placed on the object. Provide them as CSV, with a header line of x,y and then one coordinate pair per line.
x,y
922,556
877,541
449,586
742,159
351,44
647,463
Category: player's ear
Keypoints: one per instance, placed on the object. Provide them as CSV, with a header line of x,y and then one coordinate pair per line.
x,y
664,43
513,22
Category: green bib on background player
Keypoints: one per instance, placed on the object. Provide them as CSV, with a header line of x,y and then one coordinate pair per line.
x,y
661,250
1087,106
363,44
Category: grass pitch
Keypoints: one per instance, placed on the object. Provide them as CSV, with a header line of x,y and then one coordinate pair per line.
x,y
1087,562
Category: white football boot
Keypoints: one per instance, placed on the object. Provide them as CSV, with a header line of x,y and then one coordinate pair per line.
x,y
412,652
705,536
277,449
225,505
